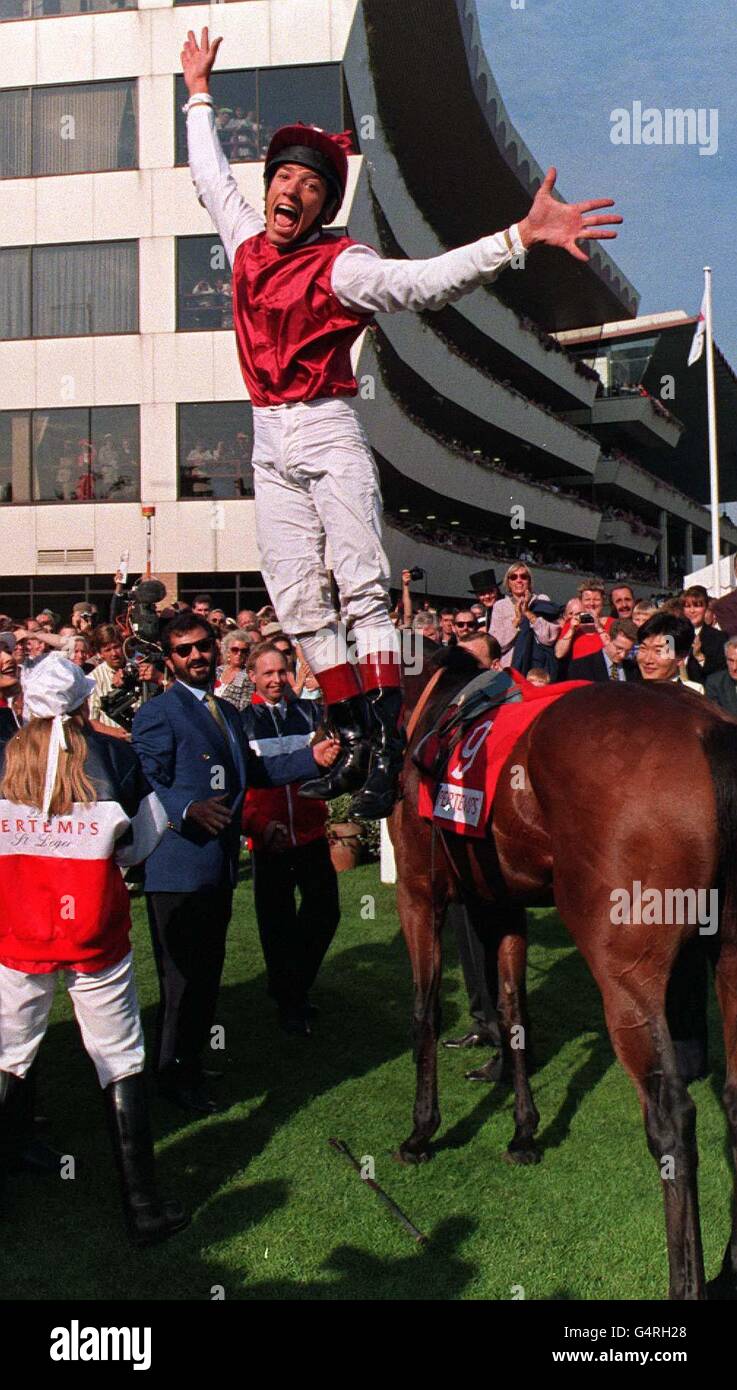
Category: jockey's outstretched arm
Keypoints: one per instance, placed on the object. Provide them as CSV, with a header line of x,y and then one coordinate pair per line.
x,y
365,281
215,185
362,280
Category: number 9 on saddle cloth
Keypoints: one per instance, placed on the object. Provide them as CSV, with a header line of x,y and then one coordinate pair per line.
x,y
487,691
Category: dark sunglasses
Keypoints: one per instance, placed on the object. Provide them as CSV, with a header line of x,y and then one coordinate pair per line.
x,y
203,646
241,650
465,624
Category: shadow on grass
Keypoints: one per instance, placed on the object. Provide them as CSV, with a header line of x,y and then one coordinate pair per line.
x,y
358,1275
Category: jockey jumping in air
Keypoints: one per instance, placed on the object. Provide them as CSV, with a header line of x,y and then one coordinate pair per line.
x,y
301,297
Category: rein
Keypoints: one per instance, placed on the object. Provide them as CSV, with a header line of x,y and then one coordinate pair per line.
x,y
419,708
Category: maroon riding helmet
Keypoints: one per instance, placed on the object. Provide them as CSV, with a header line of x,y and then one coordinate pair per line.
x,y
315,149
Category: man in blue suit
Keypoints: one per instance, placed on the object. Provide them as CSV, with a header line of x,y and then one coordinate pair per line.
x,y
197,760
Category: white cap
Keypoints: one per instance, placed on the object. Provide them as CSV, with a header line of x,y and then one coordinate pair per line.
x,y
53,690
55,686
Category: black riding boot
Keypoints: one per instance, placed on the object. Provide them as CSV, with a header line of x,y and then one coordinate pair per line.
x,y
350,721
380,791
35,1156
13,1127
148,1217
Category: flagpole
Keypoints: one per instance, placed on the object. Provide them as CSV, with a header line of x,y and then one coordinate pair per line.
x,y
713,455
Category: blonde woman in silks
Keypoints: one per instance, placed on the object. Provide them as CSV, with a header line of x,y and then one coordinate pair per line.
x,y
74,808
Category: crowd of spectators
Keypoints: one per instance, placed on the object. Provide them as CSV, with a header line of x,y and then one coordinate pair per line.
x,y
601,633
103,651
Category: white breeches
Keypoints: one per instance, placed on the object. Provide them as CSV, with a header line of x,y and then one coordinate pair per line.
x,y
105,1006
316,482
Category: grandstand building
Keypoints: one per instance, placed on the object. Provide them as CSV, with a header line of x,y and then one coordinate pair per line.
x,y
511,423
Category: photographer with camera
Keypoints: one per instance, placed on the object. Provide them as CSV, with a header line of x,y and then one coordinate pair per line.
x,y
587,632
84,618
120,684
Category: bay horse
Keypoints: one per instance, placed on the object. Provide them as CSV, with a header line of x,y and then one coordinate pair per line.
x,y
612,785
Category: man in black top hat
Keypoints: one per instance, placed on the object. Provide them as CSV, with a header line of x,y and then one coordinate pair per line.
x,y
486,590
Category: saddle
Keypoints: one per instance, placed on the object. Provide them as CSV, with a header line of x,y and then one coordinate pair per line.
x,y
487,691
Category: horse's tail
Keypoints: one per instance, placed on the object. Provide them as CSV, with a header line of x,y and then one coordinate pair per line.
x,y
720,745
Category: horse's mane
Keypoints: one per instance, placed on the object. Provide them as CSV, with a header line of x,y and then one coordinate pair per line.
x,y
457,664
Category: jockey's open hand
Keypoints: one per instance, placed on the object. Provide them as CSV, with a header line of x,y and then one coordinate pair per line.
x,y
198,60
327,751
564,224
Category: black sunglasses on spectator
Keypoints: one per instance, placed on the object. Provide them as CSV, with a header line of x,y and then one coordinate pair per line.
x,y
466,624
203,646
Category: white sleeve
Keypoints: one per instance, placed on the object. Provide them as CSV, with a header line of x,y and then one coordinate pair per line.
x,y
144,832
366,282
215,185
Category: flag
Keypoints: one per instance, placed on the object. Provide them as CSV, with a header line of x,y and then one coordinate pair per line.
x,y
697,346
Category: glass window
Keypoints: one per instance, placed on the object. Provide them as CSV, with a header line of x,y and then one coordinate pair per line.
x,y
251,104
85,288
234,97
621,366
34,9
15,133
308,94
15,292
204,284
15,456
68,130
82,128
215,447
86,455
115,440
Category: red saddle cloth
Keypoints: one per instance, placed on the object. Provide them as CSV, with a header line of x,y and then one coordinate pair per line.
x,y
462,801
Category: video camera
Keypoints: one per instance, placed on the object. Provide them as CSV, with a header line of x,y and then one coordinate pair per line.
x,y
140,633
122,703
141,615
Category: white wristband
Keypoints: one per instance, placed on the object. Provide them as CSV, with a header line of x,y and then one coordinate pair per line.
x,y
199,99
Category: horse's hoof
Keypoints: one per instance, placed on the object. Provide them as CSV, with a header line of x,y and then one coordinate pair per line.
x,y
413,1152
723,1289
522,1154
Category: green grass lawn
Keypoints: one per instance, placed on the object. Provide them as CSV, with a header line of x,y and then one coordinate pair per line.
x,y
276,1214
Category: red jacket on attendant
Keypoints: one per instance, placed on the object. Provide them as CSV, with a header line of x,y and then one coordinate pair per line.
x,y
294,336
271,734
63,902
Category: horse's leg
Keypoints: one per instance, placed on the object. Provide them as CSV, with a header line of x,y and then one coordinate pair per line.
x,y
512,963
421,917
639,1033
726,981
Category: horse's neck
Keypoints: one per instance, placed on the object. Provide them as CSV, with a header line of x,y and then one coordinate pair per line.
x,y
433,693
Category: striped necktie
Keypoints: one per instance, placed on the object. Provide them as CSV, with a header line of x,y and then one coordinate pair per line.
x,y
216,713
